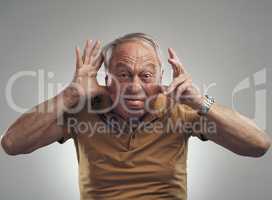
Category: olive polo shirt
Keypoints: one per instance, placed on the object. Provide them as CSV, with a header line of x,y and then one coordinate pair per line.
x,y
142,160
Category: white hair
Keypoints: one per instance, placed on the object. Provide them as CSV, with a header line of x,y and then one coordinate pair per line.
x,y
109,48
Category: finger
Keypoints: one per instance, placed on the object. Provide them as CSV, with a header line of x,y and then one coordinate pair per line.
x,y
159,88
96,49
79,62
88,52
175,62
98,60
85,49
162,89
176,82
182,88
176,69
172,54
92,47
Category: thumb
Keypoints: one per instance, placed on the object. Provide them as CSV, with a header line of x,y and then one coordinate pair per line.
x,y
162,89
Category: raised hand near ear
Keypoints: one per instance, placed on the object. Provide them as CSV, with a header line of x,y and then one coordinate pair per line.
x,y
181,88
87,66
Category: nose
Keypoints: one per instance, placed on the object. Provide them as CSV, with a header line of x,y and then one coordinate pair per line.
x,y
135,87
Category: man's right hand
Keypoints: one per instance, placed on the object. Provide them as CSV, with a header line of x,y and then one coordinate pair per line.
x,y
87,66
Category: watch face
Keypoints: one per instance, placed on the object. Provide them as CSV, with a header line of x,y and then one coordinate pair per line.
x,y
208,101
205,109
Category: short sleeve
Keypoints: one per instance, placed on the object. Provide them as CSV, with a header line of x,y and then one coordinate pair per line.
x,y
72,120
68,131
66,135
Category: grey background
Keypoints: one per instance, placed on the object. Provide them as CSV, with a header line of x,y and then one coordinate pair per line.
x,y
218,41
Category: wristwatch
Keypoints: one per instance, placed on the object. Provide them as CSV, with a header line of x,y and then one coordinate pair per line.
x,y
206,105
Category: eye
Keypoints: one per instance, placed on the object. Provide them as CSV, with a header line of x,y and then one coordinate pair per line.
x,y
123,76
146,76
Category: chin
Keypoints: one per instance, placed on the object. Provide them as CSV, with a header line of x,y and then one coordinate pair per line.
x,y
135,113
132,113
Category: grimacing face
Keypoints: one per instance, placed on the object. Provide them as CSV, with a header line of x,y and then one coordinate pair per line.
x,y
137,71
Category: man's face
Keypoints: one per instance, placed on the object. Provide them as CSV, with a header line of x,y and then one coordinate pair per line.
x,y
137,76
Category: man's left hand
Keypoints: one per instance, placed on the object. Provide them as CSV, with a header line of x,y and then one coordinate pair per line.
x,y
181,88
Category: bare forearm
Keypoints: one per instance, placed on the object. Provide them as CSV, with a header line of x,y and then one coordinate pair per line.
x,y
237,133
30,132
39,126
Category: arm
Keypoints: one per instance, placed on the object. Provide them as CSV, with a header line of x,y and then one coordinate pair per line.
x,y
233,130
40,126
236,132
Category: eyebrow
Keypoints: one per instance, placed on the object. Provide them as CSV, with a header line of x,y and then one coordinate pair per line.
x,y
147,65
151,64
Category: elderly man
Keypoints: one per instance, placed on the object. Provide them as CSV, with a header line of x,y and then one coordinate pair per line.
x,y
131,135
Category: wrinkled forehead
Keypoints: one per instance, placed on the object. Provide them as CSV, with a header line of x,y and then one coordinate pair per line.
x,y
132,52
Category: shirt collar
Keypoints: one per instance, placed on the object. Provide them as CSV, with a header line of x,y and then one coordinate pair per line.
x,y
160,106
